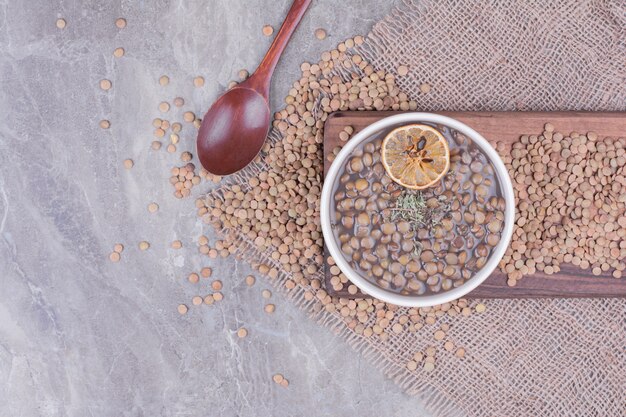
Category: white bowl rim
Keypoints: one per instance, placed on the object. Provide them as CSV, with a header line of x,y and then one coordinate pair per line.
x,y
417,300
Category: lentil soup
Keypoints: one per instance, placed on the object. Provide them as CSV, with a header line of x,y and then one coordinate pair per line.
x,y
418,242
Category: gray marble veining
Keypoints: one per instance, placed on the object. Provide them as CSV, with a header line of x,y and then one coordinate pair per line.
x,y
81,336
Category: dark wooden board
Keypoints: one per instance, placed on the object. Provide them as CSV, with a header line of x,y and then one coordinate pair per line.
x,y
507,127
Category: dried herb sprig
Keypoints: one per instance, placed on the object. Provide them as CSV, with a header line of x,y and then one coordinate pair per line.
x,y
411,207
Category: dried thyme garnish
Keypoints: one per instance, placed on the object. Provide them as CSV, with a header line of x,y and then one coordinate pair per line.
x,y
411,207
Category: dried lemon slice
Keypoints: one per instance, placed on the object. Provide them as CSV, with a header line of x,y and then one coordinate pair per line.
x,y
416,156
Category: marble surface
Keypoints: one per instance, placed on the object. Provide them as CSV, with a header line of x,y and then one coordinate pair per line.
x,y
81,336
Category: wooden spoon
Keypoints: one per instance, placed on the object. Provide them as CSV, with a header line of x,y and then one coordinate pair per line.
x,y
234,129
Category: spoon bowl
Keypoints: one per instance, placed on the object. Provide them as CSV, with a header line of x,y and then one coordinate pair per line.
x,y
233,130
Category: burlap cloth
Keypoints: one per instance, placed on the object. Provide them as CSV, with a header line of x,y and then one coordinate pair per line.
x,y
524,357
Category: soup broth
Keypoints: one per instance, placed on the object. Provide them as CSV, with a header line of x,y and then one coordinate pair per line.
x,y
418,242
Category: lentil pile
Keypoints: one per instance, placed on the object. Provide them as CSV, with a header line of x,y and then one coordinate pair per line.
x,y
571,203
418,242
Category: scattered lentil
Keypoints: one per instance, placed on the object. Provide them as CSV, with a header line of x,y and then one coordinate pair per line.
x,y
105,84
153,207
164,107
269,308
182,309
120,23
402,70
61,23
105,124
119,52
242,332
320,34
144,245
250,280
164,80
266,294
177,244
216,285
198,81
268,30
189,116
197,300
206,272
128,163
346,133
193,278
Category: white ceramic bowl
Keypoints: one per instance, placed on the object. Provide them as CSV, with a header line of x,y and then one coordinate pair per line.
x,y
385,125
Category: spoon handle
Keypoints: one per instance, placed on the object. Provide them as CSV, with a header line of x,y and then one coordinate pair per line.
x,y
260,80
